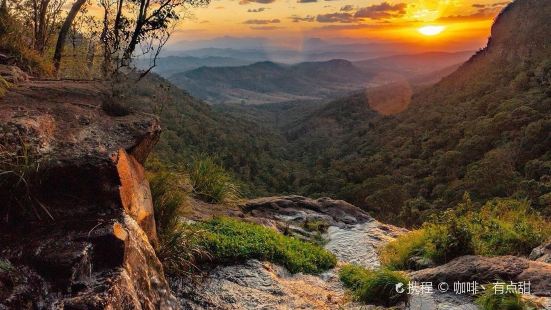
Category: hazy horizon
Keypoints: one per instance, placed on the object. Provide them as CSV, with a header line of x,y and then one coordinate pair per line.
x,y
409,26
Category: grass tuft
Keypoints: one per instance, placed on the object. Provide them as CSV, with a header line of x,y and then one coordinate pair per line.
x,y
5,265
177,242
212,183
21,170
396,254
4,86
376,287
489,300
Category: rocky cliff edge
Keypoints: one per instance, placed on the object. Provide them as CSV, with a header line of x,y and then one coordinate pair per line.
x,y
81,233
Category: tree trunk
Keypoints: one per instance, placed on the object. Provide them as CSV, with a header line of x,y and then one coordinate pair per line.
x,y
127,55
106,65
64,31
90,56
117,24
42,26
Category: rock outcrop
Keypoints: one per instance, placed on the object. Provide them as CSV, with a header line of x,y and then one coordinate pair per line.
x,y
489,269
86,240
298,208
542,253
346,230
260,285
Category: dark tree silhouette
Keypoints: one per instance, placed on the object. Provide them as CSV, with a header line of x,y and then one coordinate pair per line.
x,y
64,31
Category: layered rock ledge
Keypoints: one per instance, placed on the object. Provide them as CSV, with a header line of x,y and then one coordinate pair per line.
x,y
91,245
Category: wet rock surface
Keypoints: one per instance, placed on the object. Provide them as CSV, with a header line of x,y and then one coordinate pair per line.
x,y
358,244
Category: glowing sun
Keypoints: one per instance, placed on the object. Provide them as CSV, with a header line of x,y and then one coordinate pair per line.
x,y
431,30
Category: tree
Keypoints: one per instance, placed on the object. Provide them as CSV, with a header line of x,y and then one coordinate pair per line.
x,y
145,24
64,31
39,18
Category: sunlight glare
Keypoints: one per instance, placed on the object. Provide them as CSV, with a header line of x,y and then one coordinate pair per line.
x,y
431,30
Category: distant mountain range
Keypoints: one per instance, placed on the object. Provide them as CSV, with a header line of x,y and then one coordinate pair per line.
x,y
269,82
262,49
167,66
412,66
266,82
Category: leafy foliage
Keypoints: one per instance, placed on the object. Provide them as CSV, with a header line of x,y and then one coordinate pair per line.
x,y
230,240
486,136
405,167
489,139
374,286
253,153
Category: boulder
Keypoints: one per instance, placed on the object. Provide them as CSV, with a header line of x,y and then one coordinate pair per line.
x,y
13,74
542,253
298,208
419,262
489,269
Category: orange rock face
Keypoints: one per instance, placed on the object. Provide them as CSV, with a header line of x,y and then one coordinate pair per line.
x,y
135,194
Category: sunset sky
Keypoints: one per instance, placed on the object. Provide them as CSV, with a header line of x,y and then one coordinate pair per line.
x,y
453,24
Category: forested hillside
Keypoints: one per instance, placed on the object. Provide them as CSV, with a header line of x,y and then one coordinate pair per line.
x,y
485,129
192,129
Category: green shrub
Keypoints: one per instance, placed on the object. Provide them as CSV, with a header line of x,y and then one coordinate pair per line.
x,y
500,227
376,287
489,300
229,240
212,183
508,227
448,238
